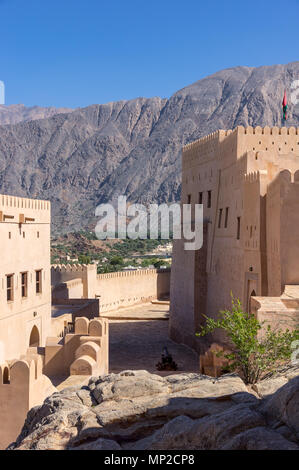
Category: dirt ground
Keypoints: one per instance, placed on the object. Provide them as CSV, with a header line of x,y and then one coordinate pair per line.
x,y
138,344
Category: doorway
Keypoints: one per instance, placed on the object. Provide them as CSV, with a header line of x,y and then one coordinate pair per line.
x,y
34,337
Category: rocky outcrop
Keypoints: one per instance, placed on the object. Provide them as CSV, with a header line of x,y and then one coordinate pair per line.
x,y
91,155
14,113
138,410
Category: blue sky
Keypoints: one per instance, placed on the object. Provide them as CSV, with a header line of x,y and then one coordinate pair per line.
x,y
75,53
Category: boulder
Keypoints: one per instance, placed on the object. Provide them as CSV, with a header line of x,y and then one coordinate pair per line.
x,y
138,410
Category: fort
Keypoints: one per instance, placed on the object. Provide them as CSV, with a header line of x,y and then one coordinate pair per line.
x,y
53,319
50,323
248,182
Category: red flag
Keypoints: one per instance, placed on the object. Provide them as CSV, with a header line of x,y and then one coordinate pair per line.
x,y
285,106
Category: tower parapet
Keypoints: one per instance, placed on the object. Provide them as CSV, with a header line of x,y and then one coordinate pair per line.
x,y
24,210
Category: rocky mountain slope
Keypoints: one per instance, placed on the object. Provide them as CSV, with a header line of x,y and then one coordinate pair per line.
x,y
15,113
136,410
91,155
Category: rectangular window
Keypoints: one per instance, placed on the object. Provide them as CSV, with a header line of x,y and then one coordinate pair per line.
x,y
226,217
238,228
9,287
220,217
189,199
200,198
38,281
24,284
209,198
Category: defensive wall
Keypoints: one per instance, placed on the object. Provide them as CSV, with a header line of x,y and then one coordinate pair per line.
x,y
83,352
22,386
114,290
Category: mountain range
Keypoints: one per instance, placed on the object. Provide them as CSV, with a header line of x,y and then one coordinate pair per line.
x,y
80,158
18,112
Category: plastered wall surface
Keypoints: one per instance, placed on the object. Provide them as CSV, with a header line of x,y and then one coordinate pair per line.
x,y
246,180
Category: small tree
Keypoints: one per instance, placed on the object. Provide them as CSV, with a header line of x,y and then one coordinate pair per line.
x,y
84,259
117,260
251,355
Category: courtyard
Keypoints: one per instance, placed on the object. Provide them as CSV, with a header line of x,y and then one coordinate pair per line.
x,y
137,337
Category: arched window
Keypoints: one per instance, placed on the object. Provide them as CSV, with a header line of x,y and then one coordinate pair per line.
x,y
34,337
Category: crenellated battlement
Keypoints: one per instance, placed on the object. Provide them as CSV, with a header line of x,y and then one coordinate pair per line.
x,y
251,177
137,273
268,130
221,133
254,176
205,147
19,210
71,268
285,176
214,136
229,145
7,201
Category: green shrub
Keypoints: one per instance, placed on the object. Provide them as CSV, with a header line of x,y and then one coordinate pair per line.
x,y
117,261
84,259
251,355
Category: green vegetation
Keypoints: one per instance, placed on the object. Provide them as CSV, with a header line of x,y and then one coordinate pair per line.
x,y
117,263
111,255
128,253
252,355
84,259
128,247
89,235
156,262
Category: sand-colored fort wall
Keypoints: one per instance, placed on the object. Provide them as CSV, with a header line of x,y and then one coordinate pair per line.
x,y
22,386
18,209
63,274
283,232
278,312
188,297
68,290
122,289
114,290
61,354
65,312
25,249
251,248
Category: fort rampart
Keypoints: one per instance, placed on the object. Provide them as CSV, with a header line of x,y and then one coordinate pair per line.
x,y
114,290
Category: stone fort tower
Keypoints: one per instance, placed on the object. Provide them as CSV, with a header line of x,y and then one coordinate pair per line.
x,y
25,301
248,182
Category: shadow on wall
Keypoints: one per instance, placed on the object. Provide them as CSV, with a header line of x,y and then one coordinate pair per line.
x,y
163,283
